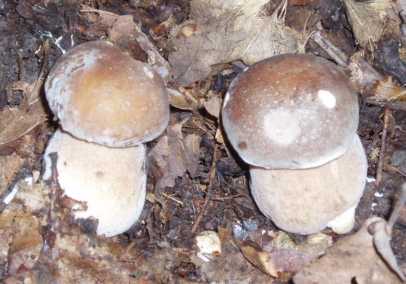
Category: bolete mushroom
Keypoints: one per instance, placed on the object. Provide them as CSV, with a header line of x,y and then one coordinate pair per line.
x,y
107,104
293,119
290,112
109,181
308,200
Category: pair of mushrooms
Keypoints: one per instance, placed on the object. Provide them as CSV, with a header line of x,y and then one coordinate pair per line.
x,y
293,119
108,104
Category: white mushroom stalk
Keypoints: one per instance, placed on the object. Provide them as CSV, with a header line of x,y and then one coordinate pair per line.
x,y
307,201
111,182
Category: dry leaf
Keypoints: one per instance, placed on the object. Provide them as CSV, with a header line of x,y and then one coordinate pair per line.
x,y
283,256
125,31
9,167
370,82
353,258
388,90
225,31
24,240
260,259
16,122
174,155
371,20
192,151
213,105
363,76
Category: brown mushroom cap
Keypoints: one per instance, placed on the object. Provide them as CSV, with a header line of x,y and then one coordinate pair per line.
x,y
290,112
101,94
306,201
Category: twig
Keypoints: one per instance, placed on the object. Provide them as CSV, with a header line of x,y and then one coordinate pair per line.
x,y
387,114
340,57
212,175
386,104
87,9
393,169
172,198
223,198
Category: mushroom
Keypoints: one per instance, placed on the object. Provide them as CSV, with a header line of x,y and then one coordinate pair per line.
x,y
293,119
108,104
308,200
111,181
290,112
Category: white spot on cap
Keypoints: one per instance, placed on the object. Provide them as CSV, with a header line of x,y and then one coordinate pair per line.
x,y
148,72
281,126
327,98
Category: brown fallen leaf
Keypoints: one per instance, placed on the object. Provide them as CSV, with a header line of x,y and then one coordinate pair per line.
x,y
352,258
125,29
124,32
372,20
282,256
26,245
213,105
9,168
364,258
388,90
192,152
16,122
225,31
174,154
22,231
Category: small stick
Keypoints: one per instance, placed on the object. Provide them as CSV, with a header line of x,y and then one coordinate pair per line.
x,y
391,105
387,114
340,57
87,9
212,175
172,198
393,169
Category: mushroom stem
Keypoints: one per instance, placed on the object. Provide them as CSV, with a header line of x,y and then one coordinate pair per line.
x,y
109,184
306,201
